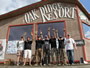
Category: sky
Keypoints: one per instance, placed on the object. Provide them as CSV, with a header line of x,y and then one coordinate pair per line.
x,y
86,4
86,31
10,5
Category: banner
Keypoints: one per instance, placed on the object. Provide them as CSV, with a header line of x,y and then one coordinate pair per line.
x,y
12,47
2,48
80,42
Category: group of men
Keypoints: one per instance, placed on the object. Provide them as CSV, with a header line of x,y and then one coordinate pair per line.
x,y
49,50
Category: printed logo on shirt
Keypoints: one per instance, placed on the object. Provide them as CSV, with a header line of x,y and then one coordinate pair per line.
x,y
68,41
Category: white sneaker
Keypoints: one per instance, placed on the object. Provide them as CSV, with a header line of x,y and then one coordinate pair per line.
x,y
44,64
41,64
36,64
30,64
85,62
17,64
23,64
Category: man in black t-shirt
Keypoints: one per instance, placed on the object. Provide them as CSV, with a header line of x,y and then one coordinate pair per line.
x,y
39,43
39,50
53,50
27,50
52,40
46,51
62,54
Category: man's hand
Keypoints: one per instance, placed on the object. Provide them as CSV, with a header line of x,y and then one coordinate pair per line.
x,y
56,31
36,33
64,29
48,28
75,48
40,32
31,33
53,29
25,33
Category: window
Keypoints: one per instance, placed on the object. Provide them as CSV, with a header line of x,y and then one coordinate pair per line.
x,y
86,29
17,31
57,26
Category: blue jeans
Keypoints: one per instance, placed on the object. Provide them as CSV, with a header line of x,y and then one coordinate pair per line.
x,y
70,54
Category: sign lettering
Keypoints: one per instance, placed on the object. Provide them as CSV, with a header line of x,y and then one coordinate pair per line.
x,y
50,12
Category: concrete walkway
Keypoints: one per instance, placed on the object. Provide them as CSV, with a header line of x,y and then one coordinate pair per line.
x,y
54,66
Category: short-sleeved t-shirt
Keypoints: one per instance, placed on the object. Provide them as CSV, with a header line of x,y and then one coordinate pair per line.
x,y
69,44
46,45
39,43
61,43
27,45
53,42
20,45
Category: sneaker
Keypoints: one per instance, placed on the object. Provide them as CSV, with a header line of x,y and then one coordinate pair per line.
x,y
65,64
17,64
73,64
30,64
36,64
23,64
59,64
41,64
49,64
68,64
85,62
44,64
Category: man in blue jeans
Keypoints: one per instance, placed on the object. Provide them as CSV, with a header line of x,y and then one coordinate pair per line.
x,y
70,45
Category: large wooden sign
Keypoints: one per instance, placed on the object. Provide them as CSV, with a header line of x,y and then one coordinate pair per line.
x,y
50,12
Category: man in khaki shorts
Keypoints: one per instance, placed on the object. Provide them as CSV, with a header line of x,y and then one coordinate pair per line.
x,y
27,51
20,48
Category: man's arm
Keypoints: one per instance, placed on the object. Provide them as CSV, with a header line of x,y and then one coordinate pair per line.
x,y
49,33
32,36
41,35
64,36
25,33
57,34
54,32
36,35
74,44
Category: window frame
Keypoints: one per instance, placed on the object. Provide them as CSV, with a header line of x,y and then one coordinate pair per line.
x,y
9,27
83,22
53,22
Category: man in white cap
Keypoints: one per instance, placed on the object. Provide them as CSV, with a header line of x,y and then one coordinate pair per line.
x,y
70,45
